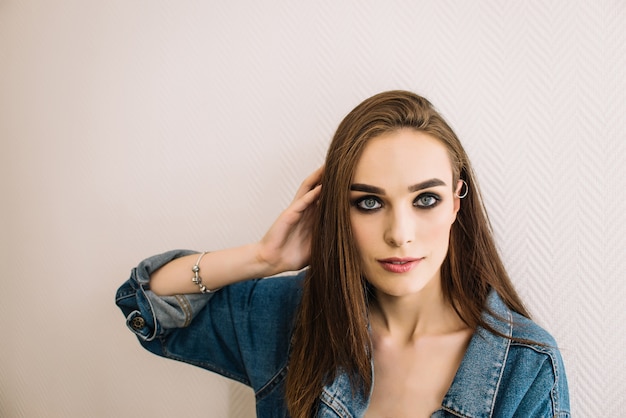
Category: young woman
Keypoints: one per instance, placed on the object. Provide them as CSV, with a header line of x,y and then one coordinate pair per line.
x,y
405,309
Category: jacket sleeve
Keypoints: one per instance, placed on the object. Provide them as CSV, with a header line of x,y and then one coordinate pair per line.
x,y
149,315
241,332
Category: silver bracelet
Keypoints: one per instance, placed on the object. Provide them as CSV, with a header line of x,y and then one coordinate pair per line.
x,y
196,276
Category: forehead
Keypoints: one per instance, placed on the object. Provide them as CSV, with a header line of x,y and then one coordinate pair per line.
x,y
403,155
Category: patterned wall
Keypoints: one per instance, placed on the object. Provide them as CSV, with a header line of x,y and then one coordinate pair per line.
x,y
132,127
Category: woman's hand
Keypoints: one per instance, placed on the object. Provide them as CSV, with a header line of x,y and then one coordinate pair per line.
x,y
287,244
285,247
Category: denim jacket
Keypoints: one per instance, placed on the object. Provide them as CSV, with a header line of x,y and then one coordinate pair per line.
x,y
244,331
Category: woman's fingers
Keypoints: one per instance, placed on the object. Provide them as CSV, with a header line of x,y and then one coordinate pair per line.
x,y
310,182
286,245
303,202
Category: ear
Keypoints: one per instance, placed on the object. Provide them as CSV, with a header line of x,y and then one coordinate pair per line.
x,y
459,193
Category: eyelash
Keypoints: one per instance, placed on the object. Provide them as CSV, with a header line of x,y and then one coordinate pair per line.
x,y
357,202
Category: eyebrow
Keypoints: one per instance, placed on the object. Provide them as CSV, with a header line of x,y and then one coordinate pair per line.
x,y
359,187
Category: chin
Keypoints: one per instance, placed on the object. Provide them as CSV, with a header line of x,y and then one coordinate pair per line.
x,y
399,285
400,290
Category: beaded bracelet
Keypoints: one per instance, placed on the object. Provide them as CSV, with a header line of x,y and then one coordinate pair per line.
x,y
197,279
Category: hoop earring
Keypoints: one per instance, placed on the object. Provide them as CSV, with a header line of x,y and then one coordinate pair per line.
x,y
464,192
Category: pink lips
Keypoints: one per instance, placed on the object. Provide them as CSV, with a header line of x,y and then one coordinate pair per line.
x,y
399,265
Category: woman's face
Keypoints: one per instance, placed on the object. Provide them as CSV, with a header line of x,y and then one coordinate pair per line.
x,y
402,209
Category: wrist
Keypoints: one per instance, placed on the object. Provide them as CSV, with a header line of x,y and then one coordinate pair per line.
x,y
263,263
262,266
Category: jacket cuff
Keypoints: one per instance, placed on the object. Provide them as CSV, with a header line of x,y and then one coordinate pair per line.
x,y
149,315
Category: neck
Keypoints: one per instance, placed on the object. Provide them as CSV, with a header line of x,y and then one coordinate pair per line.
x,y
407,318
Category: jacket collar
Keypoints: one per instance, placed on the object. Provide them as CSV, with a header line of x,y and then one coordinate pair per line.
x,y
476,380
339,397
475,386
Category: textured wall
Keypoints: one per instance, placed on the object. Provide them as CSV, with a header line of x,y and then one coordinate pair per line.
x,y
132,127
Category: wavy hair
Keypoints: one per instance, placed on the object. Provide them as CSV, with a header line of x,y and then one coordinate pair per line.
x,y
331,330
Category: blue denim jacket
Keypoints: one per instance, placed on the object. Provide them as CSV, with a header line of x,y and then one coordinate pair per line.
x,y
243,332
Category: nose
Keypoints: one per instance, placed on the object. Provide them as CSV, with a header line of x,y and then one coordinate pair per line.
x,y
400,228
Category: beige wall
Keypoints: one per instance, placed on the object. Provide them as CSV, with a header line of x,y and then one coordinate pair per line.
x,y
133,127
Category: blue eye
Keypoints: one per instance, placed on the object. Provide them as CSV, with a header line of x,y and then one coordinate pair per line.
x,y
368,203
426,201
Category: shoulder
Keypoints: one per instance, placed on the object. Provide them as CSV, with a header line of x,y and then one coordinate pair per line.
x,y
533,372
519,328
515,371
523,333
534,349
530,341
525,329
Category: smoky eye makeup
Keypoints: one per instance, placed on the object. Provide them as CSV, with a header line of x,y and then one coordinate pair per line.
x,y
371,203
367,203
427,200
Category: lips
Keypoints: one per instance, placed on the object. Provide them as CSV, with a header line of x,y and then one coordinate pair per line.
x,y
399,265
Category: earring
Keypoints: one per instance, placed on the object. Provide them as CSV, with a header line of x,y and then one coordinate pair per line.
x,y
464,191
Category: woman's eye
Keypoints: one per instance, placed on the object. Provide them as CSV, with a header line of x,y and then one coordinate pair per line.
x,y
426,201
368,203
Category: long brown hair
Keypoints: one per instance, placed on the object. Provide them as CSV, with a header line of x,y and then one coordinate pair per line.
x,y
331,331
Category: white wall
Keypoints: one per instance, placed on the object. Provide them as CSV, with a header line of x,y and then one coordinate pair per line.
x,y
133,127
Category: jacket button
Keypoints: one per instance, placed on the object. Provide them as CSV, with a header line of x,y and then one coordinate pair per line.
x,y
137,323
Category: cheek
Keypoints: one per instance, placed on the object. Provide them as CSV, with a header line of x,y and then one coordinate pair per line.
x,y
364,233
359,234
437,227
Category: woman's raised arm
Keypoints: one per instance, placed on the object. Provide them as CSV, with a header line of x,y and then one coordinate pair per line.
x,y
285,247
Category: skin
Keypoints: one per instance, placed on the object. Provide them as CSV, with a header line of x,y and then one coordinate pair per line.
x,y
418,339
